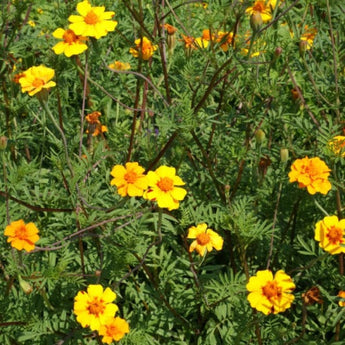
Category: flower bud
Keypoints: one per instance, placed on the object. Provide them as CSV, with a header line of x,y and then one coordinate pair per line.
x,y
3,142
25,286
256,21
284,155
278,51
260,136
303,45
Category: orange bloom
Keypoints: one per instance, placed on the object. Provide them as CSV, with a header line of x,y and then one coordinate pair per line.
x,y
21,235
260,7
170,29
113,329
311,173
308,36
341,294
143,48
95,126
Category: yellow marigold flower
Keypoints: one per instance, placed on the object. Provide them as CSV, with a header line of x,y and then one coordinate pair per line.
x,y
129,179
71,44
95,126
225,39
114,329
341,294
263,8
21,235
93,21
120,66
94,307
162,188
37,78
144,48
308,36
330,232
268,294
337,145
31,23
311,173
205,239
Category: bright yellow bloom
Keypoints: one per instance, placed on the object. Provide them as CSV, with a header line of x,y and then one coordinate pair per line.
x,y
263,8
337,145
341,294
268,294
162,188
95,126
21,235
330,232
37,78
93,308
114,329
93,21
120,66
129,180
31,23
308,36
311,173
144,48
205,239
71,44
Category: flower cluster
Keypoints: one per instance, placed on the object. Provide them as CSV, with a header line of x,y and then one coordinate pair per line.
x,y
94,308
270,294
161,185
205,239
21,235
311,173
91,22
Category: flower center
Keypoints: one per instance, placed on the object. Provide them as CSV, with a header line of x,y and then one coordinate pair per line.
x,y
91,18
37,83
131,176
96,307
203,239
335,235
259,6
271,290
165,184
69,36
21,233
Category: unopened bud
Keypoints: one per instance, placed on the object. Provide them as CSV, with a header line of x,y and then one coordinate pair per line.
x,y
25,286
98,273
256,21
278,51
227,187
171,43
303,45
284,155
3,142
260,136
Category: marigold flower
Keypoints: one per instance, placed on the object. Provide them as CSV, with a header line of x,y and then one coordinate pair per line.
x,y
330,232
94,307
312,296
169,28
308,36
114,329
31,23
129,180
95,126
93,21
341,294
224,38
37,78
162,188
311,173
205,239
144,48
337,145
120,66
17,77
21,235
262,8
268,294
72,44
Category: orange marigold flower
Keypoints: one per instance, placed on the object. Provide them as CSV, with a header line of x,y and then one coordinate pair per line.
x,y
120,66
129,179
341,294
71,43
312,296
205,239
337,145
169,28
311,173
162,188
144,48
94,306
21,235
308,36
330,232
114,329
37,78
270,294
262,8
95,126
93,21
